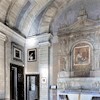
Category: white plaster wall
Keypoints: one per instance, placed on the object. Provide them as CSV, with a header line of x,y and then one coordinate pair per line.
x,y
31,67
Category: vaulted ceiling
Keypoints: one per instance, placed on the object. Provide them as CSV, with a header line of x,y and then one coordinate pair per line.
x,y
33,17
24,16
20,14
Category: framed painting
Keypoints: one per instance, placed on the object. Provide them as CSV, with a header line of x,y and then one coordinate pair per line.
x,y
82,55
32,54
17,52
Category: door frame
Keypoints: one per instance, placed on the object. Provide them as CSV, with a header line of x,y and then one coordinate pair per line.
x,y
15,67
35,74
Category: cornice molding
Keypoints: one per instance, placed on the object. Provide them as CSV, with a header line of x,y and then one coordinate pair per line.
x,y
9,32
44,39
3,36
82,24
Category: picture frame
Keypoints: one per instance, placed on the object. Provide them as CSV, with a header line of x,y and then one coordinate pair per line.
x,y
17,52
82,55
32,55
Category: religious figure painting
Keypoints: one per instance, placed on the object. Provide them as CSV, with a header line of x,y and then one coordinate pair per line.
x,y
32,54
82,55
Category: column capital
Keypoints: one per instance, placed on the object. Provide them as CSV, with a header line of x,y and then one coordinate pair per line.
x,y
44,39
44,44
2,36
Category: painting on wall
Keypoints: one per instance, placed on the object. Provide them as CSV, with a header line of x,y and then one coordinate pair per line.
x,y
17,52
82,55
32,54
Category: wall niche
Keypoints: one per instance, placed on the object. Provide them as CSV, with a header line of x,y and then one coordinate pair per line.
x,y
81,59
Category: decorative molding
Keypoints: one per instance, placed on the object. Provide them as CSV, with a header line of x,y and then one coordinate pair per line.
x,y
44,44
79,84
82,24
17,52
44,39
3,36
83,30
9,32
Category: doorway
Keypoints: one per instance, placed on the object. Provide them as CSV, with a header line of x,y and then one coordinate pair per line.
x,y
16,82
95,98
32,87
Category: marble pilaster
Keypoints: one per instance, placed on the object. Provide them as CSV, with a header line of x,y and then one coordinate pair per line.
x,y
44,65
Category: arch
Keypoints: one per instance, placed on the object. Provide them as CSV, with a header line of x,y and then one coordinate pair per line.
x,y
80,41
52,12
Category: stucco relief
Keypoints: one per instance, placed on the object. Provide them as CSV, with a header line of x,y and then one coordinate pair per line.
x,y
63,47
71,39
79,84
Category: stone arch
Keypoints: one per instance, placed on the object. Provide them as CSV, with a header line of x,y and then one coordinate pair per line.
x,y
55,8
83,40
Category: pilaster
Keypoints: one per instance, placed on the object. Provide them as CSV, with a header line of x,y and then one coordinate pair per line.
x,y
44,65
2,65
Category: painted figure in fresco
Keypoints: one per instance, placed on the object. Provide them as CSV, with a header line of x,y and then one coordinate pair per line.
x,y
63,46
63,64
81,58
64,53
